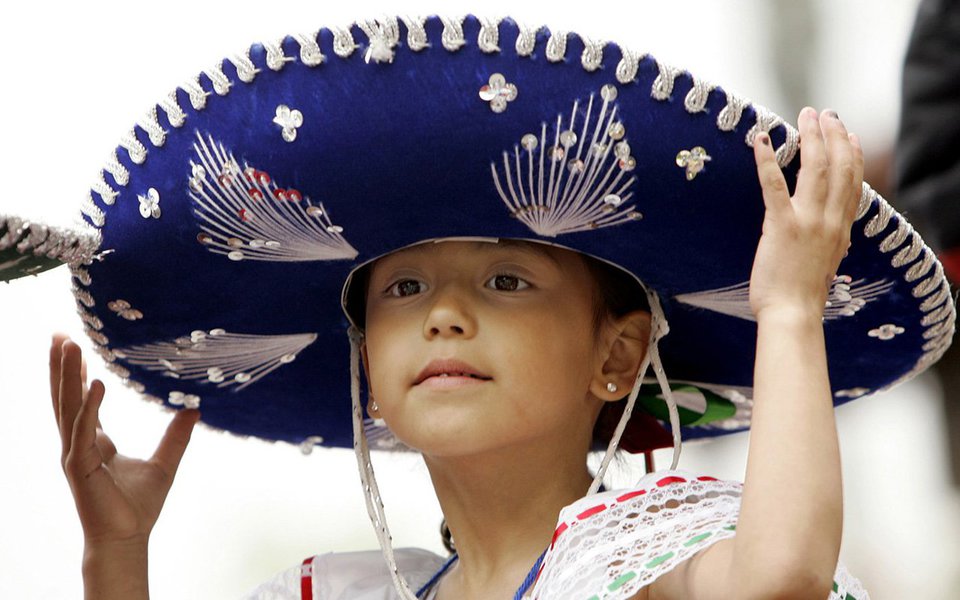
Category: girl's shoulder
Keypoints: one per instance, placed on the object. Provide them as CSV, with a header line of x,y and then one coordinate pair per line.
x,y
348,575
616,543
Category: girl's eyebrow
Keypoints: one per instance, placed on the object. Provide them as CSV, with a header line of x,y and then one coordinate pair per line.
x,y
536,250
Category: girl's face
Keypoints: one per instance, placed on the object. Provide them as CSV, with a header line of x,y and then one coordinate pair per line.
x,y
474,346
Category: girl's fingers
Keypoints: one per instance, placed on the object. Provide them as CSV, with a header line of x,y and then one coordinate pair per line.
x,y
812,180
842,175
84,452
776,195
858,182
70,393
56,353
175,440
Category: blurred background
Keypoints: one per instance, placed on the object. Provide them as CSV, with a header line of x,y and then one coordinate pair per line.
x,y
77,75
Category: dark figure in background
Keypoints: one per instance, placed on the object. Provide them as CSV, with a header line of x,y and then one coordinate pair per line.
x,y
928,164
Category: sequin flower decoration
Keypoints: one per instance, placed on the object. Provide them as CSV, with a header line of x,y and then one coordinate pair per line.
x,y
245,215
123,309
694,160
150,204
498,93
289,121
577,180
886,332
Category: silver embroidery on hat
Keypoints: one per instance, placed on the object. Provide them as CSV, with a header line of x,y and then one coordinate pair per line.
x,y
383,35
124,309
498,93
184,400
289,120
245,215
150,204
886,332
217,356
693,160
846,298
578,182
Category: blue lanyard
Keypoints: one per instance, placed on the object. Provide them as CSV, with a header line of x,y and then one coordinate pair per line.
x,y
527,582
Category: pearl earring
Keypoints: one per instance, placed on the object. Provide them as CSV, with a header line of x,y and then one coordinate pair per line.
x,y
611,387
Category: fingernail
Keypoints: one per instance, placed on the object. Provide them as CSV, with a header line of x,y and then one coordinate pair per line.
x,y
833,114
764,139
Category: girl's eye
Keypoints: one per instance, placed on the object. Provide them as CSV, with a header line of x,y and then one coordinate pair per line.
x,y
507,283
406,287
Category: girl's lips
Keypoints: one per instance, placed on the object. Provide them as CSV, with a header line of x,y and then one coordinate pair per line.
x,y
450,372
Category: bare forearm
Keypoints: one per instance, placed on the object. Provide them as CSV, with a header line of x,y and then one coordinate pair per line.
x,y
115,571
791,518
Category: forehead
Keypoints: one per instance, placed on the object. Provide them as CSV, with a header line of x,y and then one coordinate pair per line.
x,y
557,256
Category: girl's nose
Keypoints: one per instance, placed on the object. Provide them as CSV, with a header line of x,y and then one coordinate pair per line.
x,y
450,316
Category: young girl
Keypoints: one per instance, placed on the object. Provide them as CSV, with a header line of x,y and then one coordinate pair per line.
x,y
494,213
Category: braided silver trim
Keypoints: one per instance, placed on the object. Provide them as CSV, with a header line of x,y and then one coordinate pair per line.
x,y
489,35
92,211
343,43
416,33
276,59
663,84
310,53
557,46
107,193
592,55
866,201
82,275
452,37
221,83
696,100
526,40
174,113
936,299
92,320
119,172
879,222
897,238
628,66
729,116
198,96
151,125
83,296
246,70
383,35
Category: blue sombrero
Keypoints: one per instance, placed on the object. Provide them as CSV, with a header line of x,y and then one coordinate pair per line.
x,y
231,215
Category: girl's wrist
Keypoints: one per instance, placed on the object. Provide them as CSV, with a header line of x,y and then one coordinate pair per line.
x,y
791,314
116,569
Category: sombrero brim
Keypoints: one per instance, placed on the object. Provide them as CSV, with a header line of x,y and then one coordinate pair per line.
x,y
236,209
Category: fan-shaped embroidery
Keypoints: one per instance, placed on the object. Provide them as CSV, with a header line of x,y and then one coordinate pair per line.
x,y
846,298
245,215
579,181
219,357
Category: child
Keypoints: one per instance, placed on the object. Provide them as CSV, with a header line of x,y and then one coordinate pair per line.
x,y
495,358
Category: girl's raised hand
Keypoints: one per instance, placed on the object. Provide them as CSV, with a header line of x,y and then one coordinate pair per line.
x,y
118,498
806,236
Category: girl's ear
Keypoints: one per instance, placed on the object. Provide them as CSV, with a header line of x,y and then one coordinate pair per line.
x,y
625,348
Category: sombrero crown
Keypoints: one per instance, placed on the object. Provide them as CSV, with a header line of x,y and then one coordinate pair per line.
x,y
231,215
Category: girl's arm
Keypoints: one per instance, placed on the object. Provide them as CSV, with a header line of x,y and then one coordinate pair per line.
x,y
118,498
788,534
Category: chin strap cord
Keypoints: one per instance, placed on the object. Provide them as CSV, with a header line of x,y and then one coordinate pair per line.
x,y
658,329
371,492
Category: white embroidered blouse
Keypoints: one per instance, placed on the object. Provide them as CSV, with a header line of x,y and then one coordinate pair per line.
x,y
606,546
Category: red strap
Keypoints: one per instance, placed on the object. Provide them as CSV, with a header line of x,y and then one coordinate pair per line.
x,y
306,579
